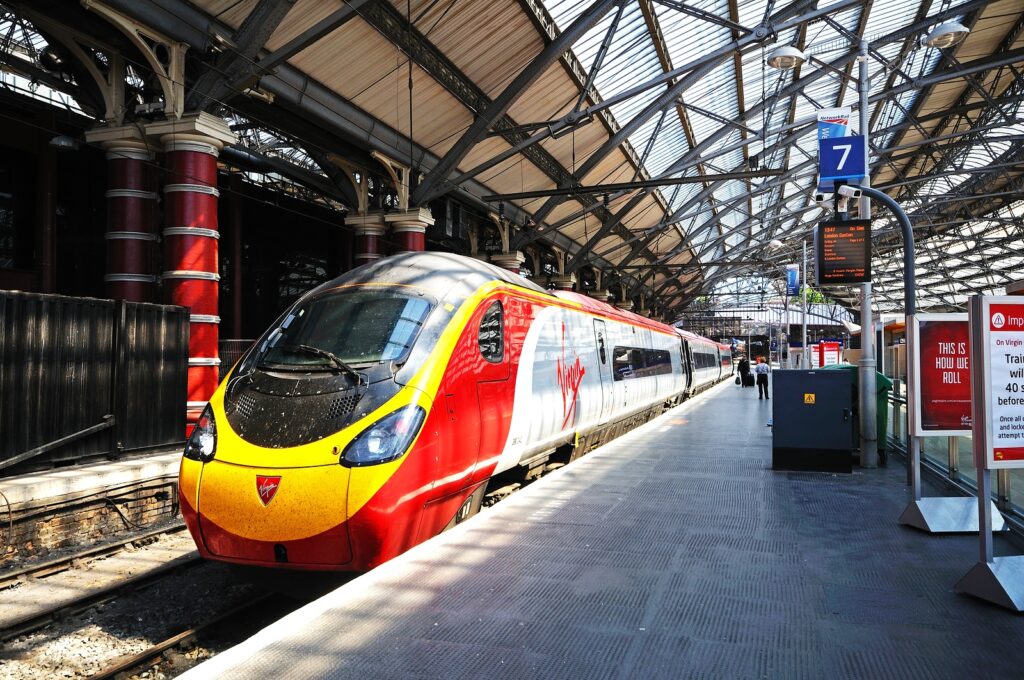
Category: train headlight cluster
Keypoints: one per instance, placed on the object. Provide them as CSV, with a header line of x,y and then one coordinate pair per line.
x,y
385,440
202,443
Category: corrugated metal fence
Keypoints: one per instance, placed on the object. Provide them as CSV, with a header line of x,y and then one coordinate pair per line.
x,y
82,377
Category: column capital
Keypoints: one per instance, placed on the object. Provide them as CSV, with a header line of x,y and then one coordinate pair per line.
x,y
125,138
415,219
199,128
563,282
371,224
509,261
626,305
601,294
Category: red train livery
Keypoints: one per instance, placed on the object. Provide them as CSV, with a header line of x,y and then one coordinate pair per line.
x,y
377,409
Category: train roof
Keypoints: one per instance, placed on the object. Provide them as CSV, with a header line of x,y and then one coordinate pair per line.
x,y
445,276
452,278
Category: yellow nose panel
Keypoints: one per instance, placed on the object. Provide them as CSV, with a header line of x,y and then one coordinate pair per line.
x,y
304,502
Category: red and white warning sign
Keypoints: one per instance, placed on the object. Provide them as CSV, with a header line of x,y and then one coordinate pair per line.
x,y
1002,348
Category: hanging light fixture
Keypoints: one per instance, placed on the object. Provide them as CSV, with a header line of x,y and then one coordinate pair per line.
x,y
786,57
946,35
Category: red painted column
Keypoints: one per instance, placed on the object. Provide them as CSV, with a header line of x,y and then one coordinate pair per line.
x,y
191,277
131,221
369,231
409,229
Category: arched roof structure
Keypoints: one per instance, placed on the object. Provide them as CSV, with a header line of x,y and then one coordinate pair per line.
x,y
646,138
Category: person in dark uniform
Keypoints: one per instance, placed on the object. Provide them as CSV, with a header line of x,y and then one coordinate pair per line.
x,y
744,368
761,372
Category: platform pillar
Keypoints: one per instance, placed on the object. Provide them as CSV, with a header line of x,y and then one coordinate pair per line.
x,y
510,261
191,234
601,294
410,229
563,282
132,214
369,230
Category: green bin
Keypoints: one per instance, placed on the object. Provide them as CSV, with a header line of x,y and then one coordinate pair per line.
x,y
883,385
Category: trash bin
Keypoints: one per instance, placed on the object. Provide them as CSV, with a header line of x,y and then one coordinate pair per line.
x,y
883,385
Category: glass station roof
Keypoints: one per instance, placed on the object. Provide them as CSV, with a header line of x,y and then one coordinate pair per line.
x,y
479,96
742,114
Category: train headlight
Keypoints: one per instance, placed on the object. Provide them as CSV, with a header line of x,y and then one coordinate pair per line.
x,y
385,440
202,443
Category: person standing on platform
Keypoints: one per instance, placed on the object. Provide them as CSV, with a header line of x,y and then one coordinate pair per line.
x,y
744,369
761,372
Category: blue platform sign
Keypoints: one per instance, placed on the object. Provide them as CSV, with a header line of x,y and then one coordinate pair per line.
x,y
792,279
840,159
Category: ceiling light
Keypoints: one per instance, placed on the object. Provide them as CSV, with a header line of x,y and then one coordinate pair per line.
x,y
786,57
946,35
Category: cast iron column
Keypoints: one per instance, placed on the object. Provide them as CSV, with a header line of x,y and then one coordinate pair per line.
x,y
131,221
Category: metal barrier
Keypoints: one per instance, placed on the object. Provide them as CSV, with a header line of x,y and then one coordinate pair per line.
x,y
947,466
82,377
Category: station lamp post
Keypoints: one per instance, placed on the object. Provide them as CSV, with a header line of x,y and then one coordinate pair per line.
x,y
788,57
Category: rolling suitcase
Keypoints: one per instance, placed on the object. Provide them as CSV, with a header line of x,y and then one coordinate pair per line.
x,y
748,380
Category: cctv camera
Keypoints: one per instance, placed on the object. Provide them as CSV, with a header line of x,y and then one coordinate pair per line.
x,y
849,191
824,201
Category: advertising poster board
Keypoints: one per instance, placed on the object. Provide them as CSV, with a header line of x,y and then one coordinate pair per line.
x,y
940,388
828,354
998,393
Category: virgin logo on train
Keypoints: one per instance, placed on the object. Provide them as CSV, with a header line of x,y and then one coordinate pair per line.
x,y
569,378
267,487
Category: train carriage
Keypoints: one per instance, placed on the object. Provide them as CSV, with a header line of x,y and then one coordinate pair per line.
x,y
378,408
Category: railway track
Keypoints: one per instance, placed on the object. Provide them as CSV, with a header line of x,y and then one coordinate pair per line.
x,y
55,566
239,620
37,620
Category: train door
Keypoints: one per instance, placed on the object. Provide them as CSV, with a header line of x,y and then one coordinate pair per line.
x,y
688,367
493,387
604,368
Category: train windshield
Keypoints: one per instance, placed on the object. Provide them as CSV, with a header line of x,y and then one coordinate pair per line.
x,y
354,327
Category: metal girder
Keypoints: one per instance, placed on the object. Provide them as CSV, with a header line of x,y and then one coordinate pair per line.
x,y
384,18
630,186
216,84
497,108
324,27
688,159
703,15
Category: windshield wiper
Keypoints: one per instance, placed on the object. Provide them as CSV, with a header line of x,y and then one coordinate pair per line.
x,y
330,356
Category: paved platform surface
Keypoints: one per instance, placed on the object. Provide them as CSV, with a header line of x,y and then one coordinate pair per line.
x,y
673,552
68,480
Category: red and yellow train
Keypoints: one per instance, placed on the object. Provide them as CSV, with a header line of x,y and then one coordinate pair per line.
x,y
377,409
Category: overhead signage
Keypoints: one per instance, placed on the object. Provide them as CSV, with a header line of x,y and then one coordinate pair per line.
x,y
940,389
843,252
792,279
840,159
999,324
833,122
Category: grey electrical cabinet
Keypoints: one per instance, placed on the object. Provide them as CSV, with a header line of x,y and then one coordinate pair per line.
x,y
812,420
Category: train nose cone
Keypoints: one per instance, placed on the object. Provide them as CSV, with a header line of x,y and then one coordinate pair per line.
x,y
270,515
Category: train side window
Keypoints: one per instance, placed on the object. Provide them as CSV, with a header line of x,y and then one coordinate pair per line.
x,y
492,346
600,349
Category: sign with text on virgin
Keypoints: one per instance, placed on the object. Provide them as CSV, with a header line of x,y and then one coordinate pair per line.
x,y
941,388
1002,332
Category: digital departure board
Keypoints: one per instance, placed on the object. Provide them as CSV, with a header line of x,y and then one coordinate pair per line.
x,y
844,252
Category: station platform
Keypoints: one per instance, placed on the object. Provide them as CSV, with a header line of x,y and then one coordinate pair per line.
x,y
672,552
